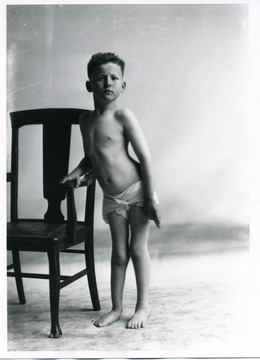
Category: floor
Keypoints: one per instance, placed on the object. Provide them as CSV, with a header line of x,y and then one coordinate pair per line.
x,y
205,303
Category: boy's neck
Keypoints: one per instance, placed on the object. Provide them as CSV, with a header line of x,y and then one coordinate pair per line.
x,y
102,108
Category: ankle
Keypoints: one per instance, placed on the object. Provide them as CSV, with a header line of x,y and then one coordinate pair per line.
x,y
142,306
117,309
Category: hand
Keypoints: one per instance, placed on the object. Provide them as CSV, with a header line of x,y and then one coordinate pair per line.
x,y
152,212
71,177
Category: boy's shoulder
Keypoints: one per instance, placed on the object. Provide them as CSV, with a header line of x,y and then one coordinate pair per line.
x,y
125,115
83,119
84,116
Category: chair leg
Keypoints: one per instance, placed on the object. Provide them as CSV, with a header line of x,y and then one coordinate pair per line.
x,y
90,264
54,283
18,277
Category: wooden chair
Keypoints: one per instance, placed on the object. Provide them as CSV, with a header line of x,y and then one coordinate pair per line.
x,y
52,234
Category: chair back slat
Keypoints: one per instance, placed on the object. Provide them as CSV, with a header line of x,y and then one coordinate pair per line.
x,y
56,149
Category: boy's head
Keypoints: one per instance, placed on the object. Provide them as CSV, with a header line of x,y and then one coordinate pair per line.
x,y
104,58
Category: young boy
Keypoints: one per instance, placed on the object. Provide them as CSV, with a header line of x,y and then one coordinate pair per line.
x,y
129,199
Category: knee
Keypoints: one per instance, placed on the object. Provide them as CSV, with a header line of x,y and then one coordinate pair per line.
x,y
120,259
137,252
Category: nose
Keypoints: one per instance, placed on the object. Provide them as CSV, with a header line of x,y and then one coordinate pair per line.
x,y
107,81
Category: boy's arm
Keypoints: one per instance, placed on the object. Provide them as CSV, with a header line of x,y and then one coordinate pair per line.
x,y
136,137
83,167
85,164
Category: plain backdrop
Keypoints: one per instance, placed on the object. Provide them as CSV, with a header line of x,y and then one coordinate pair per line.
x,y
187,73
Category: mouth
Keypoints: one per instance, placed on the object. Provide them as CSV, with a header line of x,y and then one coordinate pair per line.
x,y
107,91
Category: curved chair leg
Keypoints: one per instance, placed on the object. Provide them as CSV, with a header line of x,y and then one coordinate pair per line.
x,y
54,282
18,277
90,264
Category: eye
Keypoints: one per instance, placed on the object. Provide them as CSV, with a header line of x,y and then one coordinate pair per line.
x,y
99,78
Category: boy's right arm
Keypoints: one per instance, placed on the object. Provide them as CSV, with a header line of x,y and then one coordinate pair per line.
x,y
83,167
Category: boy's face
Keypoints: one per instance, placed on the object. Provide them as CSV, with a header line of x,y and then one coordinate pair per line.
x,y
106,82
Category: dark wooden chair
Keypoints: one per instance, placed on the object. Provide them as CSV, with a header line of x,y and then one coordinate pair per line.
x,y
51,234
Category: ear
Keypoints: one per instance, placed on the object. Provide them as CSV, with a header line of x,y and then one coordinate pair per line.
x,y
89,86
123,86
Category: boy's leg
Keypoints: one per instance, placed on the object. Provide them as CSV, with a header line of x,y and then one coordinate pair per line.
x,y
119,229
140,227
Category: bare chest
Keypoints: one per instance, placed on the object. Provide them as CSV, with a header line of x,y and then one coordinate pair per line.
x,y
102,136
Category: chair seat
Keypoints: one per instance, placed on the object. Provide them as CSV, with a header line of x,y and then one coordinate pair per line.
x,y
38,230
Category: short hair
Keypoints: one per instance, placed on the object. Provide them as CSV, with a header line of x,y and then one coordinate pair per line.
x,y
103,58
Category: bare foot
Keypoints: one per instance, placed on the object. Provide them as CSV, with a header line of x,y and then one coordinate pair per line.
x,y
108,318
139,318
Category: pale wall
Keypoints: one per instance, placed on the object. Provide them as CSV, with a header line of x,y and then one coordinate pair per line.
x,y
187,71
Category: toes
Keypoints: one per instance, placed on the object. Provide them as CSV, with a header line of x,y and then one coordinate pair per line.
x,y
129,326
134,325
98,323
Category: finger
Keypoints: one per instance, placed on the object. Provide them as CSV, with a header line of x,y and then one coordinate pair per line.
x,y
157,221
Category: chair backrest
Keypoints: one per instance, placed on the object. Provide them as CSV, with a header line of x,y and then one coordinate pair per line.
x,y
56,125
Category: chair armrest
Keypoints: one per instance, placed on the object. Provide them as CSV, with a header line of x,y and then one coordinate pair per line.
x,y
9,177
71,213
70,186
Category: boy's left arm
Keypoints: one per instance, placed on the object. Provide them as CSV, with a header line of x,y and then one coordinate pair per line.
x,y
136,137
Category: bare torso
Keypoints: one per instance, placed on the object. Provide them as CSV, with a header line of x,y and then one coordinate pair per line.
x,y
106,145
